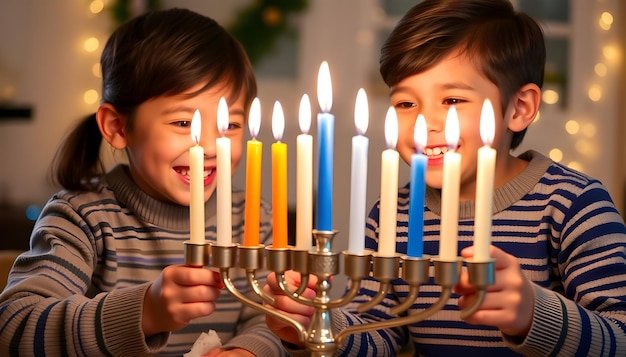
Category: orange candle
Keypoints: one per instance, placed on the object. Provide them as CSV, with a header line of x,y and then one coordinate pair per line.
x,y
253,178
279,179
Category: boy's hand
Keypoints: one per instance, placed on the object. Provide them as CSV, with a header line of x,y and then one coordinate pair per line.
x,y
509,302
179,295
297,311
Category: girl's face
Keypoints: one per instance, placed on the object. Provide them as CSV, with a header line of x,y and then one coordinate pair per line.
x,y
159,141
454,80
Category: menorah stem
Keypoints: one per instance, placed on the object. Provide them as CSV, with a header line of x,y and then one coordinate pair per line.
x,y
254,284
380,295
480,275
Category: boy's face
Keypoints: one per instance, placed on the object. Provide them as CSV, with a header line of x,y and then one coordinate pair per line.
x,y
158,144
454,80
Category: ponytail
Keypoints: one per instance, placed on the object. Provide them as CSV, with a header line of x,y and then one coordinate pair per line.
x,y
76,165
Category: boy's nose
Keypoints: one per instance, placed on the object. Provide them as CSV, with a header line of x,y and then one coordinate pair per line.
x,y
207,140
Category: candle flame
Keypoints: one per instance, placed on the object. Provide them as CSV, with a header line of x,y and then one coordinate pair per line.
x,y
304,116
196,127
324,88
278,121
487,123
254,118
222,116
452,128
420,134
361,112
391,128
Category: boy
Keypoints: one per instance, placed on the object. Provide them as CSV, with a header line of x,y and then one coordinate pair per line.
x,y
558,242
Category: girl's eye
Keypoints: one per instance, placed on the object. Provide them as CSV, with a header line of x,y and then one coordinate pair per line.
x,y
182,123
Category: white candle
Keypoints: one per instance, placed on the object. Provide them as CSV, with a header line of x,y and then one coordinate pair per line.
x,y
450,191
224,192
196,183
484,185
389,188
358,182
304,178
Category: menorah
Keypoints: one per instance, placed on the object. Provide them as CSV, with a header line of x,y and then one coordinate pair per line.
x,y
320,337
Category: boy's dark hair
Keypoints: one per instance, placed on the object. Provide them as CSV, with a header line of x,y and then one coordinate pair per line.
x,y
160,53
507,46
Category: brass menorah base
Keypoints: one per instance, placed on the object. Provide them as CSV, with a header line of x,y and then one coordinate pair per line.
x,y
320,337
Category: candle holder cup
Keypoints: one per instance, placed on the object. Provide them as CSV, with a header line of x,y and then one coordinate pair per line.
x,y
321,338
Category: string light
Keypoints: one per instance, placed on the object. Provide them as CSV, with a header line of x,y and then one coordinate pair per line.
x,y
572,127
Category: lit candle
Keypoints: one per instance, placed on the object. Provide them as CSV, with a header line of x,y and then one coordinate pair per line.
x,y
326,128
389,188
450,190
196,181
419,162
358,186
224,192
253,178
304,178
279,179
484,185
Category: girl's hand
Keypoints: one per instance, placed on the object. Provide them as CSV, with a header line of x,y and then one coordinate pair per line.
x,y
179,295
235,352
509,303
297,311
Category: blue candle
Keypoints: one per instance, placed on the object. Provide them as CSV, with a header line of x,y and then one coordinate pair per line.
x,y
419,162
326,129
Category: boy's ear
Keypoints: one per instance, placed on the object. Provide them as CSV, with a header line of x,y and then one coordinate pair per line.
x,y
525,105
112,126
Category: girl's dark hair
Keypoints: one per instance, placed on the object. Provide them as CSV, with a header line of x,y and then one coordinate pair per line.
x,y
508,46
160,53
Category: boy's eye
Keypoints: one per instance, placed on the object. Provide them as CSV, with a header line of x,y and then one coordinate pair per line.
x,y
182,123
404,105
452,101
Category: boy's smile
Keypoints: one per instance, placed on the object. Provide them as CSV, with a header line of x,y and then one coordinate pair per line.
x,y
453,81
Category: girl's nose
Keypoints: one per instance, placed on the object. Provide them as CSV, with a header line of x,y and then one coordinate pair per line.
x,y
209,134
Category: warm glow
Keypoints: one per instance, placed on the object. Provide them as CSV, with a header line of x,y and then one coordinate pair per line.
x,y
304,115
583,146
278,121
91,44
91,96
96,6
361,112
572,127
610,52
595,93
420,134
95,70
324,88
452,128
600,69
487,123
575,165
537,117
589,130
254,119
606,20
222,116
550,96
391,128
196,127
556,154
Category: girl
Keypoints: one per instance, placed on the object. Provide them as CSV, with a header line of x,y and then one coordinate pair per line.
x,y
105,274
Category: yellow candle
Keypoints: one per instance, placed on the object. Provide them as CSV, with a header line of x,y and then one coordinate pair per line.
x,y
279,179
304,178
484,185
450,191
224,191
196,183
389,188
253,178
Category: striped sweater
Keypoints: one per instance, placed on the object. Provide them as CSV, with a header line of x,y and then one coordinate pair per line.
x,y
570,241
79,290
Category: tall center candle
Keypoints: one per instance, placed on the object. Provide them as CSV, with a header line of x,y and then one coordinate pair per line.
x,y
389,188
304,178
224,191
484,185
358,182
196,183
448,241
419,162
254,156
326,128
279,179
